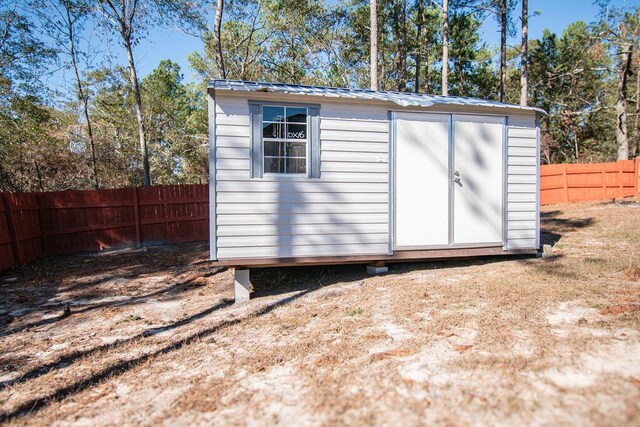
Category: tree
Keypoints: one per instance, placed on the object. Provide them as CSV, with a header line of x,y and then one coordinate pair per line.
x,y
125,16
128,19
524,92
471,68
243,38
24,121
445,47
399,29
568,78
221,74
64,20
620,28
503,50
636,135
373,6
176,126
419,25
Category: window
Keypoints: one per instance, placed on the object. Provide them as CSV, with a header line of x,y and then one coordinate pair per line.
x,y
284,140
284,135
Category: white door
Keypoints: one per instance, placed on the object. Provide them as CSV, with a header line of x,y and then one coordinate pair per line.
x,y
478,176
421,180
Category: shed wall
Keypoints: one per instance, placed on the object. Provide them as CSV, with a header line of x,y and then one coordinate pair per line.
x,y
522,183
345,212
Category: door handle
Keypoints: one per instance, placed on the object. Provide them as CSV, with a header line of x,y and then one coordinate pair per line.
x,y
457,181
456,173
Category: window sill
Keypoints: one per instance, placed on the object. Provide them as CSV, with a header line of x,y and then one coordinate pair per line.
x,y
286,177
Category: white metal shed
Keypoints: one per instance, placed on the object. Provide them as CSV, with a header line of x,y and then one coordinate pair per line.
x,y
309,175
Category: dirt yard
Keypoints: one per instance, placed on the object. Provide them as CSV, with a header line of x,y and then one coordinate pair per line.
x,y
148,337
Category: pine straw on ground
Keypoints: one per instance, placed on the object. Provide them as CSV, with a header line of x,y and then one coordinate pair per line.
x,y
147,337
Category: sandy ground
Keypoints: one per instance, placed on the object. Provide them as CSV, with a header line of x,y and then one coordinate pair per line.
x,y
151,337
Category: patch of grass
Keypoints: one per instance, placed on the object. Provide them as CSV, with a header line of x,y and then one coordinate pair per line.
x,y
356,312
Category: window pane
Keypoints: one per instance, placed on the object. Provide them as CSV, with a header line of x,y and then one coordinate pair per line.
x,y
296,166
296,131
274,148
273,130
274,164
296,149
298,115
272,114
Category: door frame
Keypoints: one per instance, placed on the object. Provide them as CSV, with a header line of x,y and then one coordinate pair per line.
x,y
392,116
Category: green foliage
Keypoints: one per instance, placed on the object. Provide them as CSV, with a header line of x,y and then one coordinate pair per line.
x,y
569,79
471,66
43,136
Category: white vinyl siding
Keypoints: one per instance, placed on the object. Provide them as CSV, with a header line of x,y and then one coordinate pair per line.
x,y
344,212
522,183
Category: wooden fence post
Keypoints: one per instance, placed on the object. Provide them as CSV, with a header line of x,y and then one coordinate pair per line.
x,y
566,183
604,182
136,215
15,243
636,172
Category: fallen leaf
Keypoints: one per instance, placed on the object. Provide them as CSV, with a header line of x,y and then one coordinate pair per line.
x,y
462,348
392,353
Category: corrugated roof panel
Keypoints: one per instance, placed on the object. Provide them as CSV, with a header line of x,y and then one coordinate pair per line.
x,y
404,99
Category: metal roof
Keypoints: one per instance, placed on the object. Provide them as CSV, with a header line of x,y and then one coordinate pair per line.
x,y
404,99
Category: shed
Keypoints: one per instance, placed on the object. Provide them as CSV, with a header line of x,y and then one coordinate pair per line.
x,y
314,175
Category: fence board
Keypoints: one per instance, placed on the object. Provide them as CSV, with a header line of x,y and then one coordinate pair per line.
x,y
7,252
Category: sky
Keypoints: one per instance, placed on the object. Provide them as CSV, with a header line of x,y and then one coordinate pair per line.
x,y
170,43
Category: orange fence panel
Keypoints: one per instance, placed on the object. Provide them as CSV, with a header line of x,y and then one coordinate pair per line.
x,y
583,182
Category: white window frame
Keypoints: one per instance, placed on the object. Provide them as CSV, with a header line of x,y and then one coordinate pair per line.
x,y
257,156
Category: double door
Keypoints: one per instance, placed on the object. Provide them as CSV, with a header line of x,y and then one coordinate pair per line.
x,y
448,180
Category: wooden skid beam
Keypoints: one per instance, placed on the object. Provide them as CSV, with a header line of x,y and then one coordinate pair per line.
x,y
400,256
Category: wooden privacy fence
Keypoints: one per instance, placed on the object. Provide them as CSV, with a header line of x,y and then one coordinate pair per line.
x,y
40,224
588,181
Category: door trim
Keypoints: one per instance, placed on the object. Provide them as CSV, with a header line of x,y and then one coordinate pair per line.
x,y
452,162
392,116
392,182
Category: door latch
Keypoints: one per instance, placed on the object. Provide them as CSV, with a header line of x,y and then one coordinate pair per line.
x,y
457,178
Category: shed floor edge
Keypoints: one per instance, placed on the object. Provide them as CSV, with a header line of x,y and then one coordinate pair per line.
x,y
398,256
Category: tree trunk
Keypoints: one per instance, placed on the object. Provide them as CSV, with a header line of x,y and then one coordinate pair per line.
x,y
400,35
445,47
217,25
82,96
133,78
416,88
524,91
427,86
373,16
621,103
636,138
503,49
